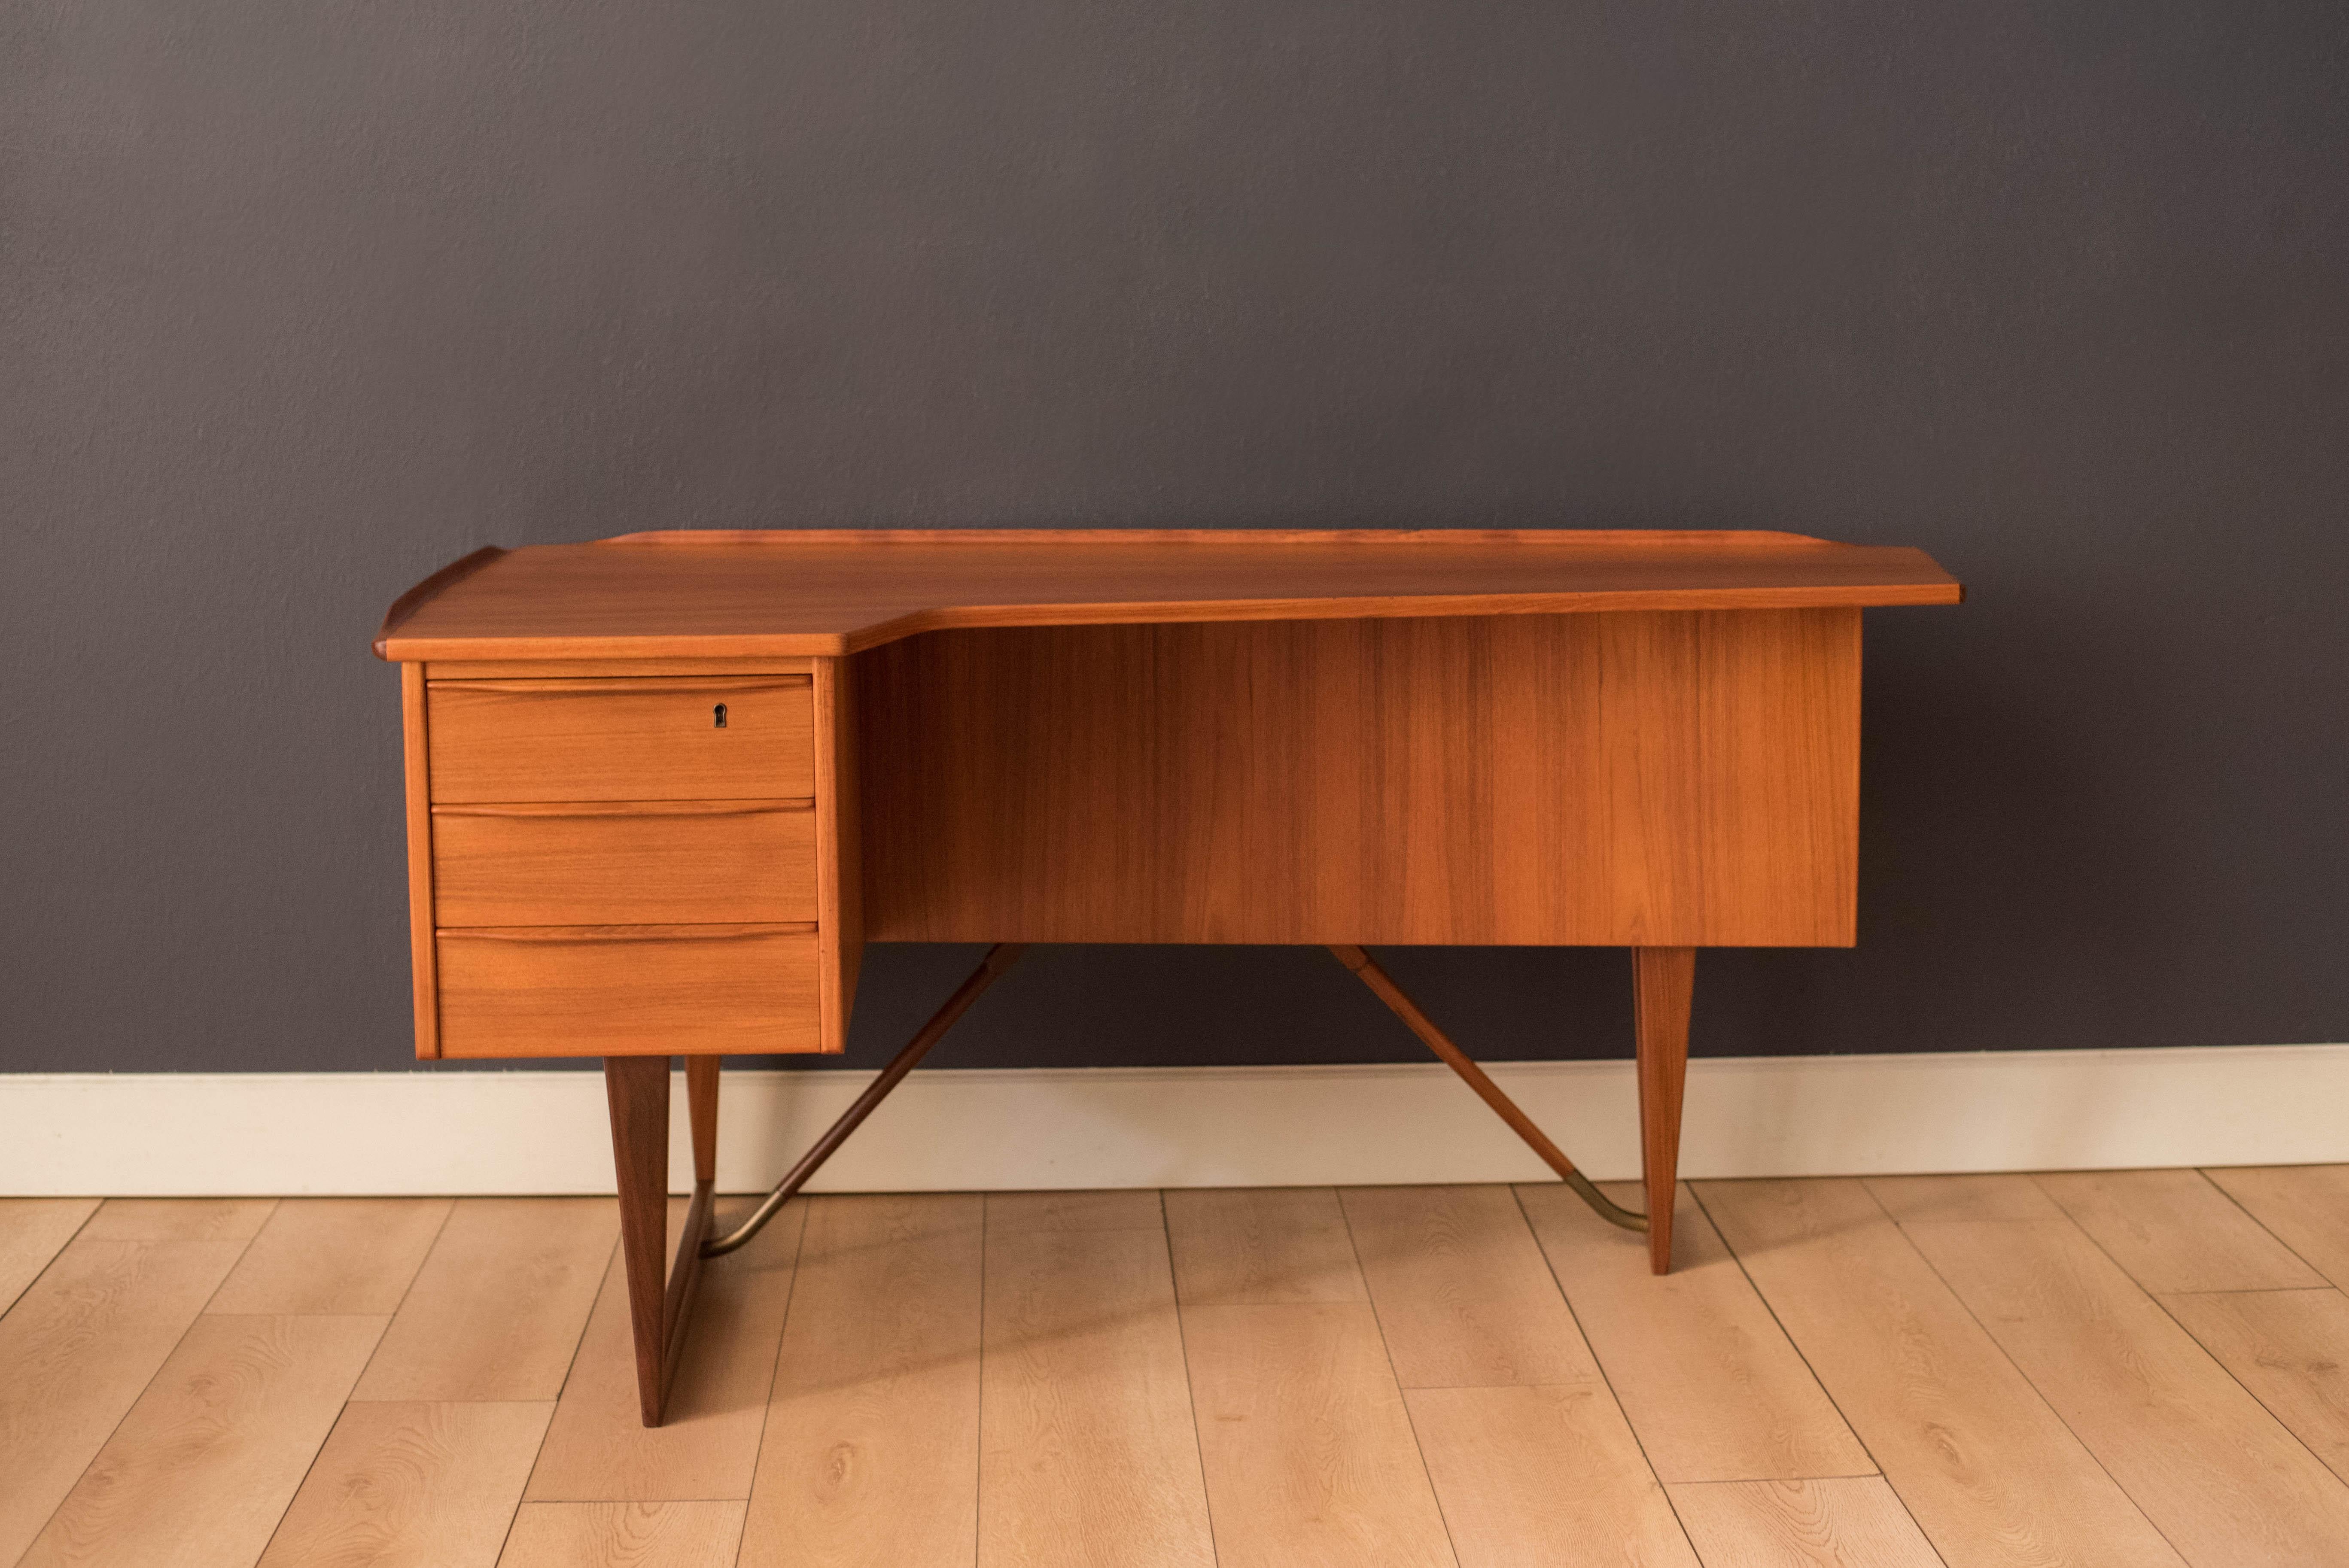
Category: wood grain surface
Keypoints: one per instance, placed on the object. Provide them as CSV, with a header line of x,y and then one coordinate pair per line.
x,y
1852,1522
1463,1294
831,593
2220,1476
1087,1449
1990,1472
871,1457
1549,1475
643,863
497,1309
1263,1246
1698,774
347,1255
2306,1207
2291,1349
649,738
1706,1375
202,1467
1308,1448
412,1485
623,1535
32,1231
2173,1231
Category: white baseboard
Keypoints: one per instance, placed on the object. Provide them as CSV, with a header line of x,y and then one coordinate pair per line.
x,y
490,1132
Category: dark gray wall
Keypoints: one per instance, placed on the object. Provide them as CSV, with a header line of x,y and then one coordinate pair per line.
x,y
299,301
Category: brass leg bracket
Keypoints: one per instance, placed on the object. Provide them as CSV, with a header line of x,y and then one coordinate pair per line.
x,y
1366,969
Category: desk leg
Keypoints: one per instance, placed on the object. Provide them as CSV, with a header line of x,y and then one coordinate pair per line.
x,y
638,1089
1663,980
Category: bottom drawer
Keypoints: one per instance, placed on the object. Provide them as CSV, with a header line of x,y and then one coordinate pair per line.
x,y
627,990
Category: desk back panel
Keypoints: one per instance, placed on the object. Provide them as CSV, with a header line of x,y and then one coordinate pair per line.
x,y
1660,779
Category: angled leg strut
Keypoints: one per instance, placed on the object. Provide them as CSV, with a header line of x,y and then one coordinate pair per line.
x,y
1366,969
998,958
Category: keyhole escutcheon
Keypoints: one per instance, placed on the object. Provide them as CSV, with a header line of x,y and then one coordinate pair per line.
x,y
718,716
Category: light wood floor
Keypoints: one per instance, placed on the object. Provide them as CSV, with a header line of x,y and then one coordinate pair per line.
x,y
2135,1370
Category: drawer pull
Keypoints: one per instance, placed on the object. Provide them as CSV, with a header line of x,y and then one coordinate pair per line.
x,y
586,933
620,807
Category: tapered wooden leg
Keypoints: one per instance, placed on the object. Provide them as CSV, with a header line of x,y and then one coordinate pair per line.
x,y
1662,979
637,1087
701,1098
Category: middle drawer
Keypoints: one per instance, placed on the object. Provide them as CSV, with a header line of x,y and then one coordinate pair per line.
x,y
626,863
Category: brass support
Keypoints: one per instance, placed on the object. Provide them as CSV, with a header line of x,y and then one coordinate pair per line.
x,y
998,958
1366,969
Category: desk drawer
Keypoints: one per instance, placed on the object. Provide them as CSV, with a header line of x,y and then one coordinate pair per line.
x,y
634,739
646,990
640,862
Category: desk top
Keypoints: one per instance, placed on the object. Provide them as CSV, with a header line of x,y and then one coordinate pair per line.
x,y
831,592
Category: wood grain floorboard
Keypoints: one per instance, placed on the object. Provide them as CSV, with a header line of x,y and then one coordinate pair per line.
x,y
623,1535
76,1351
1310,1455
339,1255
1706,1375
32,1231
1549,1476
871,1457
1087,1449
497,1310
1136,1209
179,1218
2173,1231
599,1449
201,1471
1261,1246
412,1486
1853,1522
2291,1349
1997,1197
1465,1297
2306,1206
2206,1461
1988,1470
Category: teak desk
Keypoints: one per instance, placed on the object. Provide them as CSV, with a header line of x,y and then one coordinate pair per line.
x,y
663,788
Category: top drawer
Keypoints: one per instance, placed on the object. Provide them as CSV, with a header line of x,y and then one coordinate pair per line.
x,y
679,737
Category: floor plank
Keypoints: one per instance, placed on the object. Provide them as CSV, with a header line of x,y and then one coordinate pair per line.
x,y
179,1218
339,1255
412,1486
497,1310
1551,1476
871,1457
2208,1464
1309,1457
1087,1449
2291,1349
1709,1380
32,1231
202,1468
2306,1206
2173,1231
1134,1209
1464,1295
1261,1246
1997,1197
598,1448
1853,1522
74,1352
623,1535
1988,1470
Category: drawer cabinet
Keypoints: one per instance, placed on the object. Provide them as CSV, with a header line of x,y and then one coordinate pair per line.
x,y
616,863
640,862
686,738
